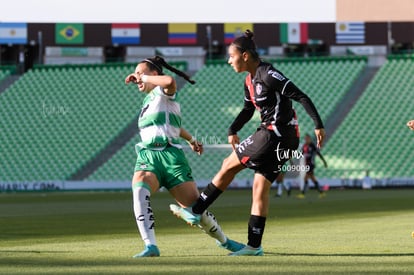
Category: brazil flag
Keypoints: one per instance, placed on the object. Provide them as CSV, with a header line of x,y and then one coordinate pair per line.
x,y
68,33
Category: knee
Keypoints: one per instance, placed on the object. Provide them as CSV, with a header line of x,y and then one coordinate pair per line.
x,y
143,177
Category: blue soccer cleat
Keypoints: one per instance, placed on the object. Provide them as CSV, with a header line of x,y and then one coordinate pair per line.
x,y
248,251
186,214
149,251
231,245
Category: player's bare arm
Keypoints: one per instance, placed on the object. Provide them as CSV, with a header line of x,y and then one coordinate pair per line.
x,y
195,145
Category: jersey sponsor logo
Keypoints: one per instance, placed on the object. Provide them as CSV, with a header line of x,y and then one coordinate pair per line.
x,y
258,88
276,75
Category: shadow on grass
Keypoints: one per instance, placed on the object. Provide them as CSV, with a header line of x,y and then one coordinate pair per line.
x,y
34,251
342,254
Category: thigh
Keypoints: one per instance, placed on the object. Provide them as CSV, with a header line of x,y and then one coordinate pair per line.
x,y
185,193
229,168
176,168
147,161
148,178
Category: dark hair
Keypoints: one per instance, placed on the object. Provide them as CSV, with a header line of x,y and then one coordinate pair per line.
x,y
245,43
156,63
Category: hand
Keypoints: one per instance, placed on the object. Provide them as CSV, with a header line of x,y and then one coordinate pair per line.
x,y
233,140
197,147
320,137
410,124
134,78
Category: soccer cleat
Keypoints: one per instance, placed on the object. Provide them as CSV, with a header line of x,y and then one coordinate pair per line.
x,y
248,251
149,251
186,214
231,245
300,196
322,195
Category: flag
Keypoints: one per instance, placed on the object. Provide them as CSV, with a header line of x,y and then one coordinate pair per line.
x,y
294,33
68,33
126,34
13,33
182,33
350,32
234,30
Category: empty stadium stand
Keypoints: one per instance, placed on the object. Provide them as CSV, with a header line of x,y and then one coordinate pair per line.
x,y
373,136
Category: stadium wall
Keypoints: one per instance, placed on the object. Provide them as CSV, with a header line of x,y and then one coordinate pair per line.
x,y
267,34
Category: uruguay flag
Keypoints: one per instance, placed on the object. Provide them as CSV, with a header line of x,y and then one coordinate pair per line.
x,y
350,32
126,34
13,33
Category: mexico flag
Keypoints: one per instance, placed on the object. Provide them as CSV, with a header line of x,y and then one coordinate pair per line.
x,y
294,33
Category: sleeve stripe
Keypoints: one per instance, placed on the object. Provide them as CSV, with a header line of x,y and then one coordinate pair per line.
x,y
284,87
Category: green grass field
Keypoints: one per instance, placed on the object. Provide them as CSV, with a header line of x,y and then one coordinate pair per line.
x,y
349,231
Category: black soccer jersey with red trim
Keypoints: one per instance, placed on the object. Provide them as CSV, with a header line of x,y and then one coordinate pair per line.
x,y
271,93
309,152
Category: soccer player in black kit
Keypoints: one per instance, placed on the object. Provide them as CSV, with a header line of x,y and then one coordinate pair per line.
x,y
310,151
266,150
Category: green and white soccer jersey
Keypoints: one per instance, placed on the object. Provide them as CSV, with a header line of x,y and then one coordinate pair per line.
x,y
159,122
159,151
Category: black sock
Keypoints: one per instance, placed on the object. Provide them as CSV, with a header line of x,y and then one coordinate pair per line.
x,y
305,186
207,197
255,230
317,186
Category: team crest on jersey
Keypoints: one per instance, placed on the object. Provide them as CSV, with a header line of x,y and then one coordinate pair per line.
x,y
258,88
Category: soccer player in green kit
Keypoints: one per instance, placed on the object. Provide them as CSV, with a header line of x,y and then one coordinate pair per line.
x,y
160,160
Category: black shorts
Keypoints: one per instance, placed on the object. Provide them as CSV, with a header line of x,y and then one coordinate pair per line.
x,y
311,168
265,152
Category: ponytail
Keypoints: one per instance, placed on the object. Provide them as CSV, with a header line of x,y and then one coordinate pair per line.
x,y
157,63
245,43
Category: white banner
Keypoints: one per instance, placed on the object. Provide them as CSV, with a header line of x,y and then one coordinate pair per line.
x,y
239,183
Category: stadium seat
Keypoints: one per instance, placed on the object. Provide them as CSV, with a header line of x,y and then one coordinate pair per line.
x,y
374,135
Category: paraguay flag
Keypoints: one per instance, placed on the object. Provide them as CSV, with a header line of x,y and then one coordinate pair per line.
x,y
182,34
126,34
234,30
13,33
